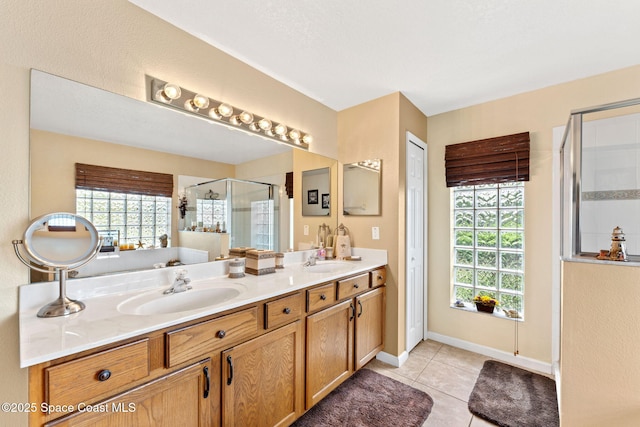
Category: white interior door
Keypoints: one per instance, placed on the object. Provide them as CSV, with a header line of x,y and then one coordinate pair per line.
x,y
416,237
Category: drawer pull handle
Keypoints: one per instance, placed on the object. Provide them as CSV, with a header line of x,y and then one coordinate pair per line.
x,y
230,363
380,277
360,304
104,375
207,382
323,297
286,310
221,334
353,312
355,285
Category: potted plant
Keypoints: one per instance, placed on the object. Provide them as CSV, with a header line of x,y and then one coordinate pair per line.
x,y
485,303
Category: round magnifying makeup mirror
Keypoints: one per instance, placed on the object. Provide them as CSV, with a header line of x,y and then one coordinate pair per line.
x,y
61,242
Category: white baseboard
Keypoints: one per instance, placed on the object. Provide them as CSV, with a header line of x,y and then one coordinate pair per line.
x,y
520,361
392,360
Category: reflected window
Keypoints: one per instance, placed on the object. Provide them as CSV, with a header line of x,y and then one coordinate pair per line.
x,y
137,218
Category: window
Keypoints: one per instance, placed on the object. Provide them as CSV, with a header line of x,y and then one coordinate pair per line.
x,y
488,243
138,218
210,213
135,203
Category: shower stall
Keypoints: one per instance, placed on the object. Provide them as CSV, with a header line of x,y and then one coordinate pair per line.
x,y
600,173
246,210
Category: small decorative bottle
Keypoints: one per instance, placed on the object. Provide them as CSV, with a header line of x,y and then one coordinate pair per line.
x,y
322,253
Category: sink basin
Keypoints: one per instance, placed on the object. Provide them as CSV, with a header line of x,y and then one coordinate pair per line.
x,y
329,267
156,302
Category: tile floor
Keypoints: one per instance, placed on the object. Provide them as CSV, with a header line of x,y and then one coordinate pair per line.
x,y
445,373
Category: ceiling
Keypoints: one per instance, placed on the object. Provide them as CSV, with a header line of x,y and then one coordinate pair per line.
x,y
441,54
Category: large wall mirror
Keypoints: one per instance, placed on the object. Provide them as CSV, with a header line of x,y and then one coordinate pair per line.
x,y
75,123
362,187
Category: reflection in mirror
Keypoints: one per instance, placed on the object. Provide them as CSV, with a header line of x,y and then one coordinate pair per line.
x,y
231,213
67,128
362,192
54,244
316,194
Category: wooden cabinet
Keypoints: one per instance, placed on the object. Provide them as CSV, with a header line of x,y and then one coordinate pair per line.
x,y
352,286
344,337
262,379
190,342
262,364
177,399
329,350
96,376
369,325
282,311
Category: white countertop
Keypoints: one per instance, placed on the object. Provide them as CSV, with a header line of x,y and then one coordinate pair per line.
x,y
100,323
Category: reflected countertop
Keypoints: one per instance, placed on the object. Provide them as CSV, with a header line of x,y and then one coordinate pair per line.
x,y
101,323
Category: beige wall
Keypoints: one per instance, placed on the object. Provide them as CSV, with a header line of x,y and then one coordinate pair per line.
x,y
377,129
53,158
586,360
600,345
110,44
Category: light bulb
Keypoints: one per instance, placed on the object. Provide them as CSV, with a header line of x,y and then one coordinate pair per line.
x,y
294,134
225,110
235,120
168,93
264,124
246,118
200,101
307,139
280,129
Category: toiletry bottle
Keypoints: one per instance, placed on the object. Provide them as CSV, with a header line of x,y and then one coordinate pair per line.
x,y
322,253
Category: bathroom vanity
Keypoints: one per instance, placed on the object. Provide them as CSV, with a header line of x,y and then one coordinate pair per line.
x,y
261,355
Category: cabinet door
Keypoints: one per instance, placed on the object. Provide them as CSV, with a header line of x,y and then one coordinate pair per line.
x,y
262,379
369,329
178,399
329,350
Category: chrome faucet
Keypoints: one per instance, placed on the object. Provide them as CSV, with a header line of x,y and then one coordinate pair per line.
x,y
180,283
312,260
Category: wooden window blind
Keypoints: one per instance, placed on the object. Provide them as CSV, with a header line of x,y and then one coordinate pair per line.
x,y
488,161
288,184
102,178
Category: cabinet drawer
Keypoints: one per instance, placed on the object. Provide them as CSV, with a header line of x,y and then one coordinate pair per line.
x,y
320,297
379,277
97,375
282,311
199,340
352,286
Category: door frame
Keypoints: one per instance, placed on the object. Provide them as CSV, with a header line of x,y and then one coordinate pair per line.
x,y
412,139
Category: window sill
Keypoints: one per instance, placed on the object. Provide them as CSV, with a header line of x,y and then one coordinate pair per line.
x,y
499,313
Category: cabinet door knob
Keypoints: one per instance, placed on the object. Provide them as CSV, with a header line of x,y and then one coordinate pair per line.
x,y
221,334
323,297
379,277
104,375
286,310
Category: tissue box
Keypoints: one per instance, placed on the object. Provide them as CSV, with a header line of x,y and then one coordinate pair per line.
x,y
239,252
259,262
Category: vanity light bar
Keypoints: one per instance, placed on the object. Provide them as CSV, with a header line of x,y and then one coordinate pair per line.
x,y
176,97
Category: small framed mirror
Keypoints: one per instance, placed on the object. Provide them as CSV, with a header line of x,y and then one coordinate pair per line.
x,y
316,194
362,187
59,242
